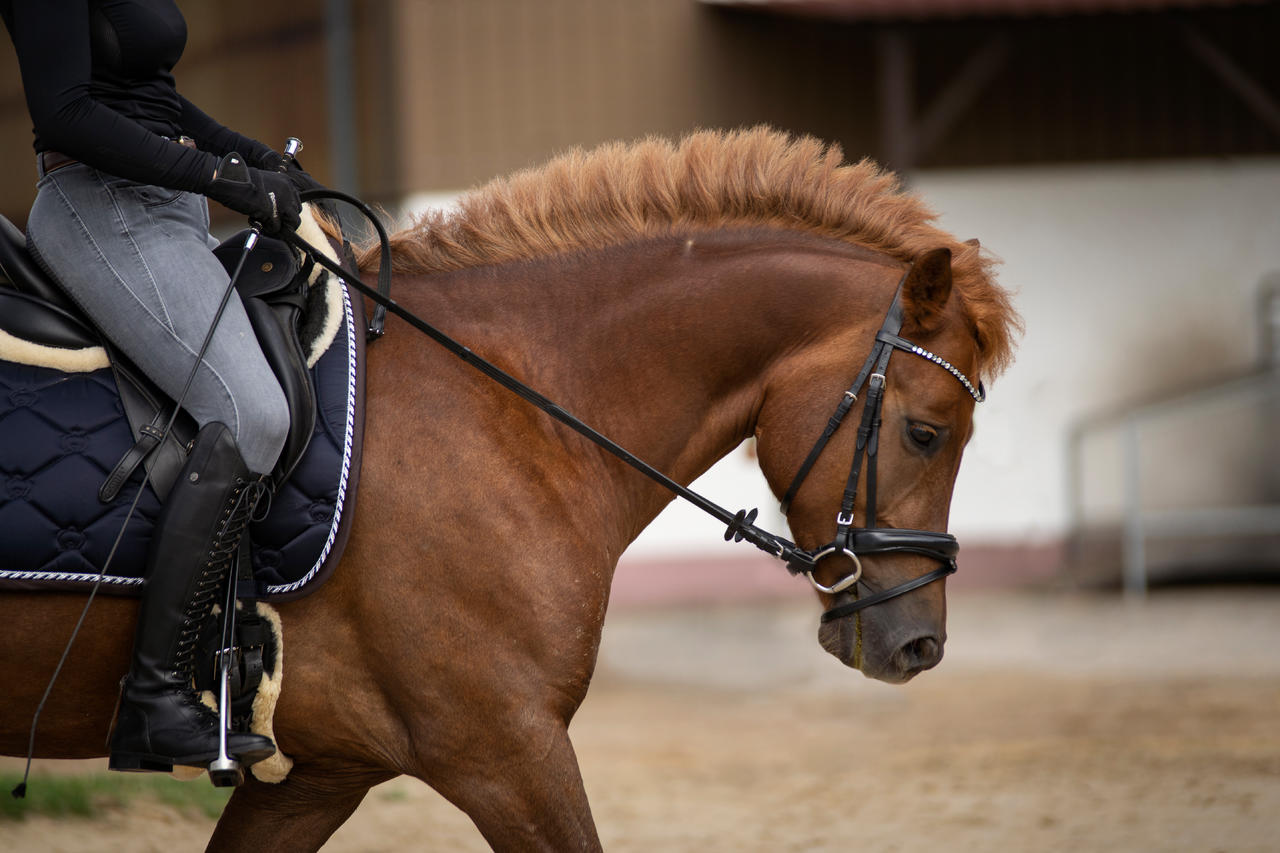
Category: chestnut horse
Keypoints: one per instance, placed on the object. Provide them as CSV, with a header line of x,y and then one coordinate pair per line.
x,y
680,299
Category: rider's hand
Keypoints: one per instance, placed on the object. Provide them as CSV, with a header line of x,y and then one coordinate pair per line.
x,y
274,161
269,198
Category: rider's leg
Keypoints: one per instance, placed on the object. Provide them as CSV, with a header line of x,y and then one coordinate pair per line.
x,y
136,259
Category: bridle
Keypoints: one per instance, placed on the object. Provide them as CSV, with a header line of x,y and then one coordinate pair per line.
x,y
855,542
850,541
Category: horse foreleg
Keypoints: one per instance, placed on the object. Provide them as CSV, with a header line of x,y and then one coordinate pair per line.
x,y
523,793
298,814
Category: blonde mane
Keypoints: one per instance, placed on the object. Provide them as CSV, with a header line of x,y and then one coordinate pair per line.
x,y
585,200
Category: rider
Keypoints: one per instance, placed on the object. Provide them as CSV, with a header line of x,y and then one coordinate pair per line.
x,y
121,222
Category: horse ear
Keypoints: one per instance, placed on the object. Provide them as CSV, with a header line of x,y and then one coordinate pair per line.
x,y
927,289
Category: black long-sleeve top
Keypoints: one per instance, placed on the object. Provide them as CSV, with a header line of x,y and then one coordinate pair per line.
x,y
98,78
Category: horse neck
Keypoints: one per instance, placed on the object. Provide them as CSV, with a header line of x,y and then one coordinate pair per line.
x,y
665,346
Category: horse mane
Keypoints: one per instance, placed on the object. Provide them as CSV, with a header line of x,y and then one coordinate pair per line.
x,y
591,199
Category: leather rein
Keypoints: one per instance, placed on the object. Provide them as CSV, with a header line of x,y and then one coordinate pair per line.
x,y
850,541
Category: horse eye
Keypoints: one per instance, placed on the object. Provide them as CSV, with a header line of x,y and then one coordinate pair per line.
x,y
921,434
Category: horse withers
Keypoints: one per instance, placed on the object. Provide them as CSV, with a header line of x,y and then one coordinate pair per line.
x,y
679,298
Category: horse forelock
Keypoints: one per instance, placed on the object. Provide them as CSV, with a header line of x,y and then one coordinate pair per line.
x,y
616,193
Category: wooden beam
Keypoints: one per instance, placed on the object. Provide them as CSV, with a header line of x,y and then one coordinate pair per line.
x,y
341,96
960,93
896,84
1239,81
906,137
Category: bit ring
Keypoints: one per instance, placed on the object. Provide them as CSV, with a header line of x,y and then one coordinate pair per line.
x,y
845,582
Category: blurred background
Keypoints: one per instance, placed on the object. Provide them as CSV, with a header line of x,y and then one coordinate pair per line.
x,y
1119,156
1122,159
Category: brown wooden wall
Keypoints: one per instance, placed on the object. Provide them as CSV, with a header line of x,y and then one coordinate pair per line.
x,y
487,87
452,92
18,172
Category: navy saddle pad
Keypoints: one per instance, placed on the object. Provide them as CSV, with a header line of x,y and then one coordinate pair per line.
x,y
62,433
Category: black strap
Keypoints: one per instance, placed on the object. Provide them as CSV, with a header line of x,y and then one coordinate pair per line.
x,y
149,438
884,595
893,323
249,631
846,403
882,540
892,338
868,433
873,447
870,408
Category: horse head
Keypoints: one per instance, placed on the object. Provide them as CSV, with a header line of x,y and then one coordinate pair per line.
x,y
903,475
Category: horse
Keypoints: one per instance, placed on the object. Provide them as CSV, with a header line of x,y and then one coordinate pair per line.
x,y
681,297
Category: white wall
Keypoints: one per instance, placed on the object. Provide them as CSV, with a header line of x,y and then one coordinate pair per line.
x,y
1133,280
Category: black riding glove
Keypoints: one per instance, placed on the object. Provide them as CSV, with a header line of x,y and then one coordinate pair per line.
x,y
274,161
268,198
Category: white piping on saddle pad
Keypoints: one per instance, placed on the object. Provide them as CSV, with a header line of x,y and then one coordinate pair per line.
x,y
19,351
277,767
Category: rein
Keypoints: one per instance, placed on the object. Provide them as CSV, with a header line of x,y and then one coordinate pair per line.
x,y
740,526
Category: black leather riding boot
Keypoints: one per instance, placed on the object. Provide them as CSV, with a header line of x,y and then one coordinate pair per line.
x,y
161,721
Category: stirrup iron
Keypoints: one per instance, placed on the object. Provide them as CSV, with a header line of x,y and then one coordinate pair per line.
x,y
225,771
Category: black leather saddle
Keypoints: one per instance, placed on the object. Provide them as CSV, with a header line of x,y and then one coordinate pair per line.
x,y
32,307
273,288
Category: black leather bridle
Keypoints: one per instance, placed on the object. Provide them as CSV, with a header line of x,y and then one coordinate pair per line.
x,y
850,541
855,542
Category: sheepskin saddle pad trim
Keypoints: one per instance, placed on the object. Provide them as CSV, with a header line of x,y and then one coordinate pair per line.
x,y
253,712
61,433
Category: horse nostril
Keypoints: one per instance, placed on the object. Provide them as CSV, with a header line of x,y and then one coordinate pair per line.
x,y
920,654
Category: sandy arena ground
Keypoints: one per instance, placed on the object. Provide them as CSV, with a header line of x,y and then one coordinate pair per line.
x,y
1058,722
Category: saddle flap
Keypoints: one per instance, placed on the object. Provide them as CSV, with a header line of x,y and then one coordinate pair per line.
x,y
273,290
30,318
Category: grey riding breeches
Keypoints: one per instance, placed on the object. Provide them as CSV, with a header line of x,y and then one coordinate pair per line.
x,y
137,259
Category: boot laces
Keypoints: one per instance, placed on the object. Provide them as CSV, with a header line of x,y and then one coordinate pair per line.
x,y
241,509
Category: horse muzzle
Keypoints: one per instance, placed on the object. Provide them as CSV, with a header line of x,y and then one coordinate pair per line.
x,y
894,661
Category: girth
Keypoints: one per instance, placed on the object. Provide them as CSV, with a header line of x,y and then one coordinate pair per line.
x,y
853,541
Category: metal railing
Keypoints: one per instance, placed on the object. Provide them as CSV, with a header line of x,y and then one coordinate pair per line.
x,y
1138,524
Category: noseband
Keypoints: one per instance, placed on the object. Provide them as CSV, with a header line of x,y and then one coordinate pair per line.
x,y
855,542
